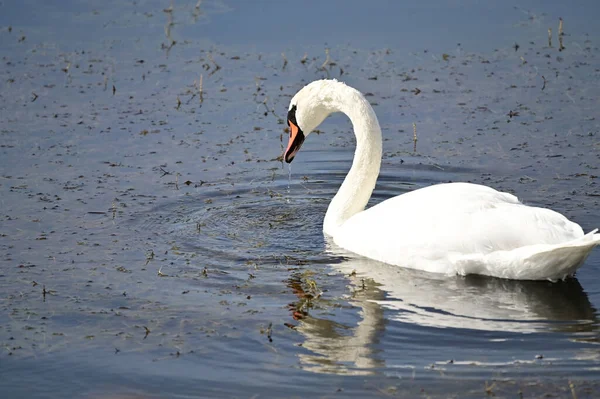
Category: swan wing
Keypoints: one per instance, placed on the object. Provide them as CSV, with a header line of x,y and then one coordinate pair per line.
x,y
464,228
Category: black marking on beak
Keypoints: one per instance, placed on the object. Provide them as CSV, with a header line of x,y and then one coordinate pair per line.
x,y
296,136
295,142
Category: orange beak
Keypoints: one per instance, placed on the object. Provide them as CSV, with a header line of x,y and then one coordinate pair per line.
x,y
295,142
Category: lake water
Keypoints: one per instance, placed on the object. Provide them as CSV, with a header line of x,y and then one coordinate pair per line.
x,y
152,245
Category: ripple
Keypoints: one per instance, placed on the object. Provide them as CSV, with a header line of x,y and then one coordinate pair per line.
x,y
244,224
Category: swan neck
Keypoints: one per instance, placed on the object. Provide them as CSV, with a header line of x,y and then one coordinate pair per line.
x,y
355,191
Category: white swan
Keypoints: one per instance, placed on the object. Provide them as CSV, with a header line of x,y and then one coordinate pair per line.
x,y
454,228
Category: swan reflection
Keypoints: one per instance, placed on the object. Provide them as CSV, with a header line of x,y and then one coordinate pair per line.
x,y
334,347
384,292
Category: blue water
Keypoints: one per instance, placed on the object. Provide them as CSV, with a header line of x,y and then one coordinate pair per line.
x,y
152,245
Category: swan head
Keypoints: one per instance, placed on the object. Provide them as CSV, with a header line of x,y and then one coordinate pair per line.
x,y
308,108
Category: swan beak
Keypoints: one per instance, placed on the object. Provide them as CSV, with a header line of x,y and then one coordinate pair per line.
x,y
296,140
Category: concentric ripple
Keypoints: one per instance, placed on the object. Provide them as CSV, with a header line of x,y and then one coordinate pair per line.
x,y
244,223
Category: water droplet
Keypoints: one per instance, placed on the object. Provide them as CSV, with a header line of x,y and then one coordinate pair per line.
x,y
289,182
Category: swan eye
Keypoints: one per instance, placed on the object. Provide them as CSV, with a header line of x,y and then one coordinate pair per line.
x,y
291,116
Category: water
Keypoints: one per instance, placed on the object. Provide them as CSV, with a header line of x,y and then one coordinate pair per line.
x,y
152,245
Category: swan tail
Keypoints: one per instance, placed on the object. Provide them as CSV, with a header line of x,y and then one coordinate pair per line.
x,y
533,262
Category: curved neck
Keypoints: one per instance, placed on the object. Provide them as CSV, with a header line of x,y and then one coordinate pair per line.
x,y
353,195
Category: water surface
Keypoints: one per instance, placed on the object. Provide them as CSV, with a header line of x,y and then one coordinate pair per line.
x,y
152,245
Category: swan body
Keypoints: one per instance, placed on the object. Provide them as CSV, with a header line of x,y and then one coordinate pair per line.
x,y
453,228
